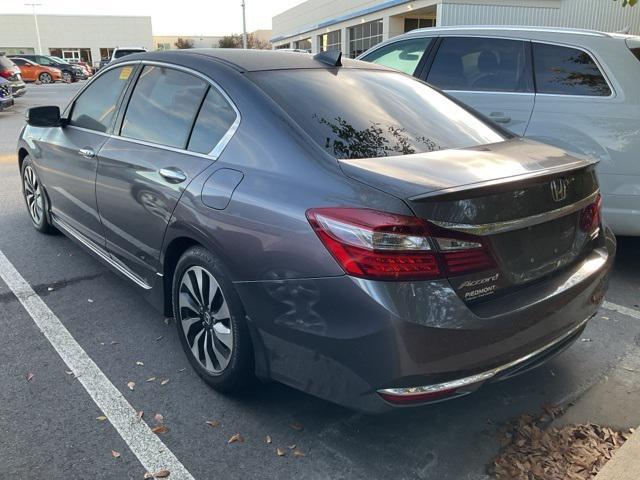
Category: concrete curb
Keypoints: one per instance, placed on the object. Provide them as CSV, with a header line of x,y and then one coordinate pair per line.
x,y
625,462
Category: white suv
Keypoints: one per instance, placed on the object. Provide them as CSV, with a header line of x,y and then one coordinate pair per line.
x,y
576,89
120,52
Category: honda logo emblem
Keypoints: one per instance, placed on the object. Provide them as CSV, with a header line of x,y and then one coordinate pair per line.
x,y
558,189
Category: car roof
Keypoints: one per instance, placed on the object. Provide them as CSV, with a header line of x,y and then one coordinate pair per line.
x,y
255,60
511,29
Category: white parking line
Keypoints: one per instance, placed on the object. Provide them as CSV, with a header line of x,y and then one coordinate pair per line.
x,y
630,312
152,453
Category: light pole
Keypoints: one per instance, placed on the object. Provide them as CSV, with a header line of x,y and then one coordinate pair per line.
x,y
35,19
244,28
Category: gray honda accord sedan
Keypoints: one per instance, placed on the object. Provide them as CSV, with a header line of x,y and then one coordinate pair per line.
x,y
333,225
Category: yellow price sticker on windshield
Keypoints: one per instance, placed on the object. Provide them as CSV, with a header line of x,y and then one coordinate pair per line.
x,y
125,72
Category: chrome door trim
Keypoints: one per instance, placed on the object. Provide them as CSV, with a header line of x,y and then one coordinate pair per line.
x,y
217,149
99,251
506,226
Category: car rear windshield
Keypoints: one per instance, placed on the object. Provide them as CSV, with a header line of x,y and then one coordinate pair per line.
x,y
122,53
367,114
5,62
634,46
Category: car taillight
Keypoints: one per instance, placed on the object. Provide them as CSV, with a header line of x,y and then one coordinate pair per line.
x,y
590,216
386,246
6,73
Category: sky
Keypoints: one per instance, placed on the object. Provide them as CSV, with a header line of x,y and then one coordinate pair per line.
x,y
183,17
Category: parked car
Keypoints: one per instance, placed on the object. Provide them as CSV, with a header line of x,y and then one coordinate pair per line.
x,y
10,72
6,97
120,52
86,67
576,89
337,226
70,73
32,72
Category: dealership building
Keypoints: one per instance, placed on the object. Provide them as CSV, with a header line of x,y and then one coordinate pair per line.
x,y
353,26
84,37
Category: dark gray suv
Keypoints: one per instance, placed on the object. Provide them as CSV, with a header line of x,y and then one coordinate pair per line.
x,y
336,226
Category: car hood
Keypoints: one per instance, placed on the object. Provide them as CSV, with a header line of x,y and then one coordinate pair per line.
x,y
407,176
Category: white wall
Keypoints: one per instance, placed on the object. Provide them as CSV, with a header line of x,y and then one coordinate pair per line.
x,y
75,31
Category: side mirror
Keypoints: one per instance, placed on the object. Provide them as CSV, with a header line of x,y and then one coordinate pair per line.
x,y
48,116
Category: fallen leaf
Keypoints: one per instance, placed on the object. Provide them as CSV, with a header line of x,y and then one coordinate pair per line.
x,y
147,475
280,452
89,300
115,454
268,439
182,370
151,379
164,382
162,473
158,418
585,339
160,429
213,423
236,437
139,363
29,376
296,426
68,372
131,385
50,289
159,338
291,447
101,418
605,318
298,453
114,343
140,414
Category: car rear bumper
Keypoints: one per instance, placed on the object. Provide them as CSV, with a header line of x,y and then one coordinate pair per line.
x,y
349,340
5,103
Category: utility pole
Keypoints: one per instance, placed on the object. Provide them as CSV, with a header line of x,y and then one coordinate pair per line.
x,y
35,19
244,28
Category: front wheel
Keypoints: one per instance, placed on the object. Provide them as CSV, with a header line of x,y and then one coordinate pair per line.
x,y
211,322
35,198
45,77
66,77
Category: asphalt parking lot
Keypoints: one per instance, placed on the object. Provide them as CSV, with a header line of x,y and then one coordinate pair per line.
x,y
52,428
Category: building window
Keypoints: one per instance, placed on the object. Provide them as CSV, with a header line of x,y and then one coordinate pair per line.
x,y
364,36
330,41
17,51
415,23
164,46
284,45
105,53
304,44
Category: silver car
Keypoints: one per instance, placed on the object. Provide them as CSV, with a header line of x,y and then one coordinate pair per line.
x,y
576,89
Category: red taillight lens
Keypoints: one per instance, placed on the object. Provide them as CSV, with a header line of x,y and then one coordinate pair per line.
x,y
6,73
590,216
385,246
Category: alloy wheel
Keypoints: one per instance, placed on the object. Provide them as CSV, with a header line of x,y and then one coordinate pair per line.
x,y
45,78
33,194
205,318
66,76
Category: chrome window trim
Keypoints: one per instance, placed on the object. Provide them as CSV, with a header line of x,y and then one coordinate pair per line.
x,y
217,150
500,227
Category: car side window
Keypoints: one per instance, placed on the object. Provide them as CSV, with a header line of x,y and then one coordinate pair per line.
x,y
567,71
214,120
403,55
482,64
96,107
19,62
44,61
168,96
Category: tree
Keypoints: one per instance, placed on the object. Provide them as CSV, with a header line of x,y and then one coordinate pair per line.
x,y
183,43
631,3
235,41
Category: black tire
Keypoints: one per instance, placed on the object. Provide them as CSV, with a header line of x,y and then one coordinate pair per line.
x,y
239,371
67,77
44,77
40,213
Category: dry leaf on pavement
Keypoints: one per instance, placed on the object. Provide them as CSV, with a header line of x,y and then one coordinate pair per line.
x,y
158,418
139,363
268,438
236,437
162,473
297,426
140,414
101,418
164,382
151,379
298,453
160,429
29,376
280,452
115,454
213,423
131,385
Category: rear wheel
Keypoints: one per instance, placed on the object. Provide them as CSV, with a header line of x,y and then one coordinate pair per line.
x,y
211,322
44,77
66,77
35,198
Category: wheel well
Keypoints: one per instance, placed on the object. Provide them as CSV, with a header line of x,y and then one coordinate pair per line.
x,y
22,153
173,253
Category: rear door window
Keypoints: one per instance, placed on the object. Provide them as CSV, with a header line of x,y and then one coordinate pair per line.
x,y
482,64
214,120
404,55
567,71
163,106
96,106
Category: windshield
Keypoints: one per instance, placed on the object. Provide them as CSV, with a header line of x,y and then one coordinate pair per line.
x,y
366,114
60,60
129,51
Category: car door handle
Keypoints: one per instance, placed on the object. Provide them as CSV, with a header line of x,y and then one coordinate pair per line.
x,y
500,117
173,175
86,153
